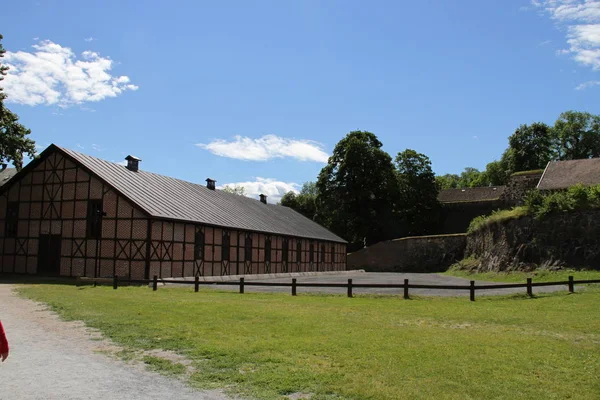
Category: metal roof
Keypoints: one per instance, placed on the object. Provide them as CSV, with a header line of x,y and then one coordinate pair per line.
x,y
563,174
6,174
165,197
470,194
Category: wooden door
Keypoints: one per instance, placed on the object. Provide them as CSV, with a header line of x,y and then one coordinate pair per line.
x,y
49,255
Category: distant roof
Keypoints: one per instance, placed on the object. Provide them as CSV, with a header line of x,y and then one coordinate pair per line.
x,y
6,175
165,197
470,194
563,174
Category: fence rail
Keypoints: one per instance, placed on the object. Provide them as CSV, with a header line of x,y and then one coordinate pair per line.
x,y
350,286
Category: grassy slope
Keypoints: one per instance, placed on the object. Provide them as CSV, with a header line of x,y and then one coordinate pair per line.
x,y
537,276
268,345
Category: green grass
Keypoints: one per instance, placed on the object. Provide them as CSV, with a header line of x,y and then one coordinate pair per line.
x,y
165,367
497,216
271,345
539,275
530,172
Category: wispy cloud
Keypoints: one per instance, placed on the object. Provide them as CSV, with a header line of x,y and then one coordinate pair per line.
x,y
273,188
581,18
52,75
89,39
545,42
80,146
587,85
97,147
266,148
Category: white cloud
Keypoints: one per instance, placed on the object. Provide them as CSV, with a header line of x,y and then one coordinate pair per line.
x,y
123,163
97,147
587,85
52,75
89,39
273,188
582,21
266,148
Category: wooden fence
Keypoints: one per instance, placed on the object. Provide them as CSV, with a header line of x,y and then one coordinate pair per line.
x,y
350,286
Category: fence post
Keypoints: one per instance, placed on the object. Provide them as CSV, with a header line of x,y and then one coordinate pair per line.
x,y
472,290
115,280
571,285
196,284
241,285
349,287
406,289
293,286
529,288
155,283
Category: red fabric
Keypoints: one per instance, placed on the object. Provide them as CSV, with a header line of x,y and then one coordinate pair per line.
x,y
3,341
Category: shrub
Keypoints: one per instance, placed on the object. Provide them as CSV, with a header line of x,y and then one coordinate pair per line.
x,y
496,216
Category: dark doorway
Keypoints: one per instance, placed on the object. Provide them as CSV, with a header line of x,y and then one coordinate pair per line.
x,y
49,255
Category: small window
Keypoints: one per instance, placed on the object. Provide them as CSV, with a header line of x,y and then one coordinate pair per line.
x,y
333,253
285,250
225,246
12,219
199,246
268,249
323,252
94,219
311,252
248,247
299,251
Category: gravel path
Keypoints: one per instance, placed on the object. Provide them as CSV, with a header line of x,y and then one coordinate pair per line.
x,y
388,278
54,359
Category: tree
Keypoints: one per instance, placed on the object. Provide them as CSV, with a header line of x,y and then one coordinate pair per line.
x,y
577,135
531,147
235,189
418,205
357,190
305,202
448,181
13,136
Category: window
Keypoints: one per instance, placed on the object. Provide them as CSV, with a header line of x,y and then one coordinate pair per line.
x,y
311,252
225,246
333,253
199,246
248,247
94,219
323,252
284,250
12,219
299,251
268,249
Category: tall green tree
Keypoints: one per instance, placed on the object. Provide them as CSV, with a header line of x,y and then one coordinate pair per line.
x,y
13,136
418,206
235,189
532,147
577,135
357,190
305,202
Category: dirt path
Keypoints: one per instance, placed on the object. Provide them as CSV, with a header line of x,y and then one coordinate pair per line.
x,y
53,359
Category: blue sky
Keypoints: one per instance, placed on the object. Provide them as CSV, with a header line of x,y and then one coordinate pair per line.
x,y
261,91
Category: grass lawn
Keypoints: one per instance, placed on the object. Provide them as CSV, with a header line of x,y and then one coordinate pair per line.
x,y
521,277
268,345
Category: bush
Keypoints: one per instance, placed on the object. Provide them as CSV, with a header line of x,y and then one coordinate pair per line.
x,y
496,216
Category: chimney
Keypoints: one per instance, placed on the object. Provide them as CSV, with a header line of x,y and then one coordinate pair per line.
x,y
210,183
3,166
133,163
263,198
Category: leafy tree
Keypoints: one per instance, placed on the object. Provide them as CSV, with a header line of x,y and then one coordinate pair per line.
x,y
418,205
13,136
235,189
532,147
577,135
304,202
448,181
357,190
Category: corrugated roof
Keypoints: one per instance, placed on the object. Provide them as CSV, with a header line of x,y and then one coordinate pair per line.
x,y
470,194
165,197
563,174
6,174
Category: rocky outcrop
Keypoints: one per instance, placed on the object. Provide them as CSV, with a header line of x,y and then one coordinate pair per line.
x,y
412,254
558,240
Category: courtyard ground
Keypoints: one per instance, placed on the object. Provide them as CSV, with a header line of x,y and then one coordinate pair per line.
x,y
53,359
273,345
